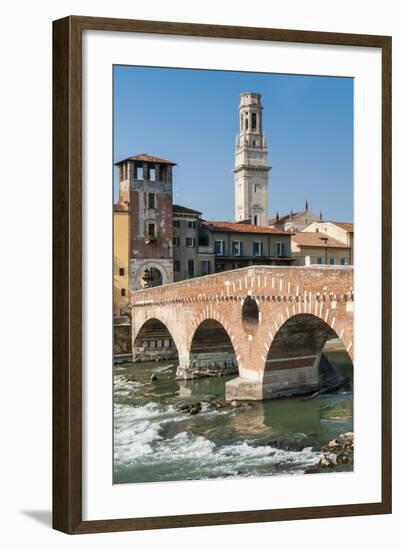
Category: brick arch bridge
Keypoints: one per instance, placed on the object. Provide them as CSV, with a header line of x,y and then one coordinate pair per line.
x,y
269,322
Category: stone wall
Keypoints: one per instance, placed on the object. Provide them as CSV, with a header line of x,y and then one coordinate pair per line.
x,y
122,339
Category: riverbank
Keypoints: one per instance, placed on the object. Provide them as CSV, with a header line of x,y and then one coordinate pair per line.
x,y
337,455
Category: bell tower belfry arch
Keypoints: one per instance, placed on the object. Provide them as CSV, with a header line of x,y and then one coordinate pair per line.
x,y
251,166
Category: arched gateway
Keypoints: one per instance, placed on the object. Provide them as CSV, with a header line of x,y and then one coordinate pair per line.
x,y
270,323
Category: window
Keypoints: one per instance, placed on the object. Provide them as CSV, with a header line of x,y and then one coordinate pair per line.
x,y
151,230
191,225
176,241
190,242
279,249
177,266
219,248
152,174
317,230
139,173
123,292
205,267
332,261
319,260
258,248
342,261
256,220
191,268
163,172
176,223
203,239
254,122
237,248
121,272
151,200
246,123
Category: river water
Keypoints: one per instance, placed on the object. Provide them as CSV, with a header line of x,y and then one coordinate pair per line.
x,y
156,441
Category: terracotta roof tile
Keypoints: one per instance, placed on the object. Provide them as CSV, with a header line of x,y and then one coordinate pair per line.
x,y
235,227
148,158
345,225
316,239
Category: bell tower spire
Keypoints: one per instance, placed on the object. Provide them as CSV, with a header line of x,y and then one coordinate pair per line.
x,y
251,166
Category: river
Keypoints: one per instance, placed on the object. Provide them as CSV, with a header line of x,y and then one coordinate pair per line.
x,y
156,441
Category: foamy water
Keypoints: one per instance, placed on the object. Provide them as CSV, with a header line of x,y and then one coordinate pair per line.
x,y
156,441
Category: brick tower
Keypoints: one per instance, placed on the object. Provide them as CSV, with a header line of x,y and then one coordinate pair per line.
x,y
145,189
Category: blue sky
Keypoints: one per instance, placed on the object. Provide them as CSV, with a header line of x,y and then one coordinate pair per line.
x,y
191,117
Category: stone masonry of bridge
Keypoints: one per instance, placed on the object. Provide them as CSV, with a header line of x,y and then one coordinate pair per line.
x,y
272,323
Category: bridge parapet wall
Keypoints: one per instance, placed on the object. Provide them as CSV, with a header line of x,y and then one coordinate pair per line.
x,y
329,282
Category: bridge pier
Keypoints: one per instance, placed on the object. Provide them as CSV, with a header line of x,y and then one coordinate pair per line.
x,y
213,363
282,382
244,389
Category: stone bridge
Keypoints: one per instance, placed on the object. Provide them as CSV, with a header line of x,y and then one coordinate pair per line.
x,y
268,323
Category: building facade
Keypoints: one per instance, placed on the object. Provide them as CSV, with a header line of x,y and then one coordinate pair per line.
x,y
237,245
341,231
121,263
310,248
191,257
145,188
251,167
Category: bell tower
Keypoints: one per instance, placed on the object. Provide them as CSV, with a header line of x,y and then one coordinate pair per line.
x,y
251,166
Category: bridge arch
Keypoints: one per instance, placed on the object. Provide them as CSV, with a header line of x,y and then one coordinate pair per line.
x,y
332,318
295,351
153,340
150,275
250,314
212,348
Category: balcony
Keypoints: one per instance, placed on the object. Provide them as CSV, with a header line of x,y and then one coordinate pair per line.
x,y
151,239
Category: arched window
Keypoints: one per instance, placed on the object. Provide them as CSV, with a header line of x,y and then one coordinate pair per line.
x,y
254,121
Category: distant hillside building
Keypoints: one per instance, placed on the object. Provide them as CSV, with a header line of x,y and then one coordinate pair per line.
x,y
251,166
145,188
294,221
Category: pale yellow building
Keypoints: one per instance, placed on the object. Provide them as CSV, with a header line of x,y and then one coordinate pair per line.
x,y
121,247
318,248
341,231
